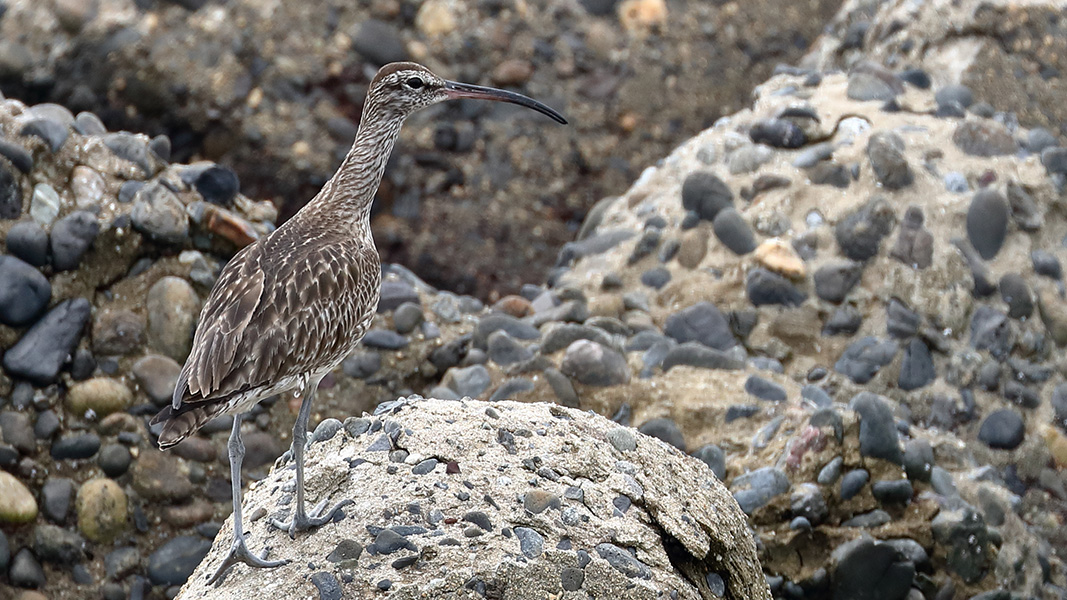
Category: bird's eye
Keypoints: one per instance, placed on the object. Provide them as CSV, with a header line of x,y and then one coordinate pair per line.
x,y
414,83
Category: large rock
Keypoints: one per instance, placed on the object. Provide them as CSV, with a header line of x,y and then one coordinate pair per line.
x,y
471,535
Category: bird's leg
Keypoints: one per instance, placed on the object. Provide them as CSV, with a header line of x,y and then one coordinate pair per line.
x,y
301,520
239,552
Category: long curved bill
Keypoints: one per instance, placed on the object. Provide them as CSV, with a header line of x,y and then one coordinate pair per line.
x,y
457,90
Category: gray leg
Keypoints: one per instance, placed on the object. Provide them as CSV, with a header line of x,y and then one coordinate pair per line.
x,y
239,552
301,521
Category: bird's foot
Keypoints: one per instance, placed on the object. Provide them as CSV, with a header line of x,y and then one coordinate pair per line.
x,y
239,553
302,521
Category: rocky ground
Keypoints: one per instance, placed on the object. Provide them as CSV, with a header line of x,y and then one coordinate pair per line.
x,y
847,300
477,198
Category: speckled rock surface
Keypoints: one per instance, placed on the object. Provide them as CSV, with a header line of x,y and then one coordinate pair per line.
x,y
522,502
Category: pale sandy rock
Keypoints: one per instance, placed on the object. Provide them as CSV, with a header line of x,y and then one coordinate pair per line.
x,y
533,534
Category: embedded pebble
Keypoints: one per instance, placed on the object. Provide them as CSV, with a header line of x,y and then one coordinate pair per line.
x,y
27,241
886,153
860,233
25,292
834,280
984,138
734,232
17,504
664,429
1002,429
40,352
591,363
987,222
706,194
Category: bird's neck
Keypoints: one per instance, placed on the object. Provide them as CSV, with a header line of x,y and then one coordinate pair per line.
x,y
348,195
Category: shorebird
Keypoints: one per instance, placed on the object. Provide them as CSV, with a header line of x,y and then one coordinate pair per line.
x,y
288,308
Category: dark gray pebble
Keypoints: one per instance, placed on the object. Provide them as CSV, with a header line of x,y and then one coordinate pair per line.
x,y
915,244
394,293
917,369
778,133
845,320
852,482
834,280
756,488
25,571
714,457
384,339
991,330
983,280
860,233
1045,263
19,156
740,411
692,354
24,292
379,42
766,287
388,541
53,133
816,395
664,429
901,321
1020,394
480,519
954,95
896,491
531,543
407,317
28,241
594,364
623,561
1015,292
346,550
517,329
656,277
1055,160
327,585
862,360
128,190
734,232
71,237
217,184
10,193
76,446
129,147
878,432
764,389
173,562
362,365
987,222
511,388
866,568
47,425
916,77
702,322
827,173
114,460
571,579
504,350
56,495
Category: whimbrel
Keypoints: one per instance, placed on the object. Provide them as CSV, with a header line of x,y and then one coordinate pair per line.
x,y
291,306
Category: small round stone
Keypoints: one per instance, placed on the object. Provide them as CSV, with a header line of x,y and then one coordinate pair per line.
x,y
76,446
852,482
666,430
117,331
114,460
101,395
1002,429
734,232
407,317
101,509
593,364
764,389
157,376
26,571
17,504
622,438
172,306
954,95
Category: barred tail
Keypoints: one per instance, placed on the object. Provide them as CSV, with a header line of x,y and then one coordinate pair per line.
x,y
187,420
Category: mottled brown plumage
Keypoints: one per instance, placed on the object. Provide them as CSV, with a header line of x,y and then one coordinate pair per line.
x,y
288,308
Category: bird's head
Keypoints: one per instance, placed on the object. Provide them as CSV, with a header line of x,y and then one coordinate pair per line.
x,y
406,87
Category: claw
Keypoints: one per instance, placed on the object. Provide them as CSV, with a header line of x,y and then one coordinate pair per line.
x,y
239,553
302,521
